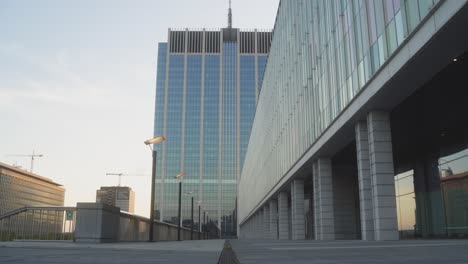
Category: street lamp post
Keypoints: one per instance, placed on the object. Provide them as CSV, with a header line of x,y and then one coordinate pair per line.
x,y
180,176
204,223
209,227
191,231
180,211
199,224
153,181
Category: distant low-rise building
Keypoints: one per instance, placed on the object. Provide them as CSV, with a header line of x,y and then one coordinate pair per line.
x,y
19,188
122,197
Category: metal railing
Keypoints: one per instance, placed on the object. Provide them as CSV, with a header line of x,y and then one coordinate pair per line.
x,y
38,223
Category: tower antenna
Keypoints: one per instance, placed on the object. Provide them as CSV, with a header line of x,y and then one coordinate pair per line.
x,y
230,15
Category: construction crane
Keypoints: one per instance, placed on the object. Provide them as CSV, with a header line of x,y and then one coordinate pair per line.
x,y
123,175
116,174
34,155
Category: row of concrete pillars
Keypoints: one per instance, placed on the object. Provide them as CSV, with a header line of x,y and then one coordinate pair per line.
x,y
283,216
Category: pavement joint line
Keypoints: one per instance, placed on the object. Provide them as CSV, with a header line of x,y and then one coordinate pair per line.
x,y
337,242
308,243
370,246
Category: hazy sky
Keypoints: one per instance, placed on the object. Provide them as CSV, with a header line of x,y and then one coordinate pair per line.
x,y
77,83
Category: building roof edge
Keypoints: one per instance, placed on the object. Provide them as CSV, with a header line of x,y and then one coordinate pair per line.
x,y
27,173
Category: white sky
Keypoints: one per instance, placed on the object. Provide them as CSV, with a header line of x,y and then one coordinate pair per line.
x,y
77,83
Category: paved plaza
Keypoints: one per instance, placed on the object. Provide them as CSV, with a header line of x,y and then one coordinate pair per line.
x,y
331,252
247,251
195,252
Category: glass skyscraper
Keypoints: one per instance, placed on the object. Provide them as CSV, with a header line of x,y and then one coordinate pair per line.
x,y
208,83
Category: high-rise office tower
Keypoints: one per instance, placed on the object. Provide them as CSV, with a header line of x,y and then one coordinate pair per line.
x,y
208,82
119,196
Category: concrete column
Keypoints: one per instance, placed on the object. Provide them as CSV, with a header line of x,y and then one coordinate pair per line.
x,y
289,220
297,210
245,230
273,219
254,225
365,183
266,221
283,223
316,201
325,193
248,230
382,174
242,231
251,227
261,224
257,225
310,219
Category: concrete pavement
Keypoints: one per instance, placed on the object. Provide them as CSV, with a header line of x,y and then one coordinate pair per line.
x,y
199,251
247,251
330,252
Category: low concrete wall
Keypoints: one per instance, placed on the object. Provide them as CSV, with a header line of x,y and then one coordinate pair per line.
x,y
96,223
165,231
136,228
99,223
133,228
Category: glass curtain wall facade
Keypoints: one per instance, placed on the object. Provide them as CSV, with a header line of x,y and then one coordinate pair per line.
x,y
208,82
20,188
453,186
431,156
323,53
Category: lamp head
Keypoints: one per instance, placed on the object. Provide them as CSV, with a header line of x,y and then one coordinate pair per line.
x,y
180,175
155,140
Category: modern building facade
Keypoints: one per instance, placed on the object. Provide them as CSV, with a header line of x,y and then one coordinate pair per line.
x,y
19,188
208,83
119,196
361,127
